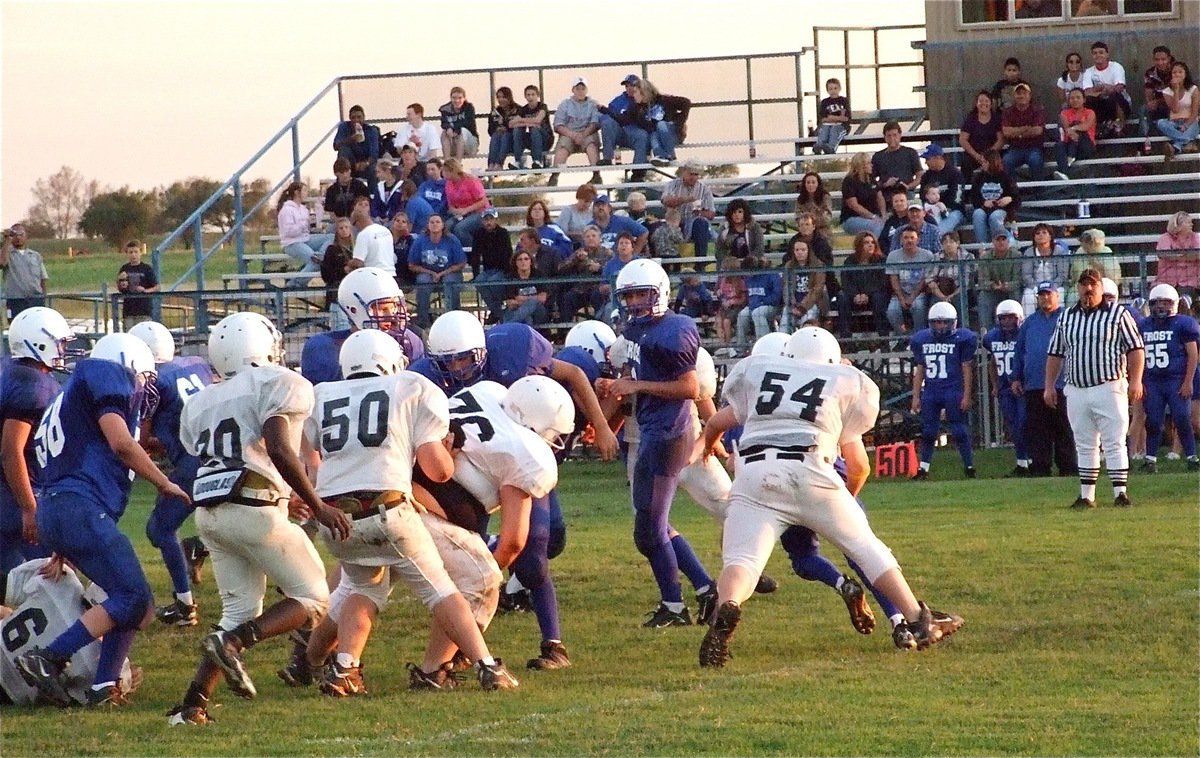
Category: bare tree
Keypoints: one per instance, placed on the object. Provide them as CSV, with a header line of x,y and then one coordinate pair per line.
x,y
61,200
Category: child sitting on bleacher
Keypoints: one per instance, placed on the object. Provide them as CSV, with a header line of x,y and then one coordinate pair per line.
x,y
693,298
935,209
667,237
732,294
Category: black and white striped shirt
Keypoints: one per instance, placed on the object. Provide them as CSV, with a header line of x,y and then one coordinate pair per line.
x,y
1093,343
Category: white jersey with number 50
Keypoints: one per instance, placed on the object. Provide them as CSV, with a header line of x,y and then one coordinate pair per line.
x,y
498,451
784,402
368,431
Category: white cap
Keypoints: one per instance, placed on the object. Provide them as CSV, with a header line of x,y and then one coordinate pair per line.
x,y
578,81
1109,286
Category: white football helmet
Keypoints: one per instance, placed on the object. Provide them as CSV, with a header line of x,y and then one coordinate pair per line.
x,y
158,337
541,404
646,278
1164,301
371,351
596,337
943,318
372,300
242,341
456,346
1009,308
770,344
813,344
1109,287
706,373
492,390
42,334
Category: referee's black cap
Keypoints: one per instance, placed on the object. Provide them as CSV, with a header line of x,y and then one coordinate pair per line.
x,y
1089,274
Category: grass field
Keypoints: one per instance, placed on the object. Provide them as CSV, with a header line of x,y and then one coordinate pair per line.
x,y
1081,638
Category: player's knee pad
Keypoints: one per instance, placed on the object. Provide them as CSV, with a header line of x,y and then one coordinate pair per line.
x,y
157,531
557,540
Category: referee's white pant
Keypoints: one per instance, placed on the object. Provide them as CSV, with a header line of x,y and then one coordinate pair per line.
x,y
1099,419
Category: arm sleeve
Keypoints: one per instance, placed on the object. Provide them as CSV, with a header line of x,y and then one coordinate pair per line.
x,y
286,393
1130,335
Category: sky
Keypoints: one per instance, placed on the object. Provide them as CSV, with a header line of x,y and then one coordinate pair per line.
x,y
143,93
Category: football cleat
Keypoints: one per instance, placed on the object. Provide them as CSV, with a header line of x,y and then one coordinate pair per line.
x,y
766,585
43,670
970,472
1149,467
342,681
459,662
442,679
298,672
188,714
903,637
177,613
1082,504
110,696
496,677
222,648
922,629
945,624
553,656
706,605
921,475
1193,465
714,648
515,602
861,617
195,553
1122,501
1019,472
662,617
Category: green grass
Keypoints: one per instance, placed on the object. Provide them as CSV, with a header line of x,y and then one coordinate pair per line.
x,y
1081,639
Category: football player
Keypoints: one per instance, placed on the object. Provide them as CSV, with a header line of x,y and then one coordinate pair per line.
x,y
1001,342
246,432
801,410
88,452
662,349
943,379
368,430
1171,343
37,340
179,379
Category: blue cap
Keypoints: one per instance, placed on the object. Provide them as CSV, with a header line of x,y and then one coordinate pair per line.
x,y
631,79
491,213
601,200
932,151
1047,286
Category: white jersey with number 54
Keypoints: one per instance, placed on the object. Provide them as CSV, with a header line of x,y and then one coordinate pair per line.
x,y
784,402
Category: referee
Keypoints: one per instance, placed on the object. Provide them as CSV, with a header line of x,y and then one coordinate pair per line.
x,y
1102,348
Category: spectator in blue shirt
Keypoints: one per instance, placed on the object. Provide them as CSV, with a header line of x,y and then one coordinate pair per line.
x,y
624,254
764,291
612,226
1048,430
436,258
358,142
694,298
618,127
433,189
418,208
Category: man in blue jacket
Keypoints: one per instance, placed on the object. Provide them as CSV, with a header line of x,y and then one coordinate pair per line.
x,y
1047,430
618,129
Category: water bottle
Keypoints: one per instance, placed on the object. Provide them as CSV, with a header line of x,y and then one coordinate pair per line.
x,y
1084,209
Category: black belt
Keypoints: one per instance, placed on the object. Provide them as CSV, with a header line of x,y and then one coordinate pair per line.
x,y
253,502
755,453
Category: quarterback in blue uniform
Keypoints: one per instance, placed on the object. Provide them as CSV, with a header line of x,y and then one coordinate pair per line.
x,y
1171,345
943,375
88,453
1001,342
37,343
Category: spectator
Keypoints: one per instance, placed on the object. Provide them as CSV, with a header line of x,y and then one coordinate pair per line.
x,y
293,218
1106,95
577,124
861,210
731,296
501,142
994,197
460,136
620,128
908,270
1004,91
525,301
531,129
624,254
818,247
133,279
433,189
815,199
1047,429
864,288
695,203
666,237
611,225
1154,81
635,203
360,215
693,298
340,197
764,297
1023,125
931,203
545,260
386,197
416,207
422,135
896,220
436,258
466,201
575,218
1077,132
928,236
896,168
953,275
834,114
409,168
1046,260
741,237
1183,102
358,142
374,246
587,261
333,270
1179,256
810,302
1093,254
1040,9
1072,77
402,239
490,259
999,278
980,131
665,118
537,216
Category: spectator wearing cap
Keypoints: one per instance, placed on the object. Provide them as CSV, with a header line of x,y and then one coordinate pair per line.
x,y
1023,125
577,124
1045,260
949,181
619,128
1093,253
999,278
409,167
460,135
386,198
612,226
358,142
491,253
1047,428
694,200
928,235
419,133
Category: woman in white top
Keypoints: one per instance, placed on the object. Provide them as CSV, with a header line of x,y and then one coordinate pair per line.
x,y
1181,127
1073,77
293,218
